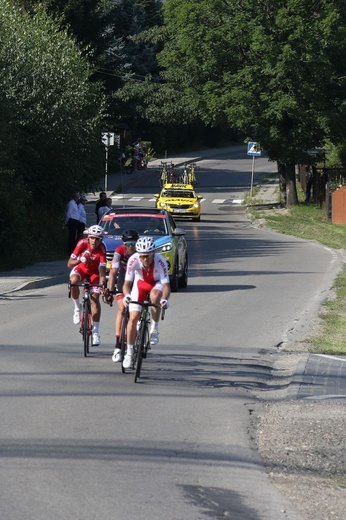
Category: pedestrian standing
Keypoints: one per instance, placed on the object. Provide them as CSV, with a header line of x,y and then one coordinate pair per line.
x,y
72,221
101,202
122,161
82,217
308,183
105,208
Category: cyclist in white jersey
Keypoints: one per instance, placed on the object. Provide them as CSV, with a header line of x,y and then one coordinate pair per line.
x,y
147,272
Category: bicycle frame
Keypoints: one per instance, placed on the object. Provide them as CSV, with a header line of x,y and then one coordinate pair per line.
x,y
142,343
86,326
123,336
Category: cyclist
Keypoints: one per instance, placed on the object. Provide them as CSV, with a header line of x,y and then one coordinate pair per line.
x,y
116,275
88,260
146,271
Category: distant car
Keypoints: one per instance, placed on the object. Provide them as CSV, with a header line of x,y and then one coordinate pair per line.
x,y
180,200
169,239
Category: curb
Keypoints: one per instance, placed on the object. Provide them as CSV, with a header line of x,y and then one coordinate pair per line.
x,y
38,284
297,377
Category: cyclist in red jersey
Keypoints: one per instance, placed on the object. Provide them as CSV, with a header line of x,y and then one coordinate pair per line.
x,y
88,260
146,271
116,276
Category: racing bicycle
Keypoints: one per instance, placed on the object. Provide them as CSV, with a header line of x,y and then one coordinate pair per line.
x,y
123,336
123,327
86,325
142,343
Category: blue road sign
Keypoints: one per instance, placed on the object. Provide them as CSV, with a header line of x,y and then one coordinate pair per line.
x,y
252,149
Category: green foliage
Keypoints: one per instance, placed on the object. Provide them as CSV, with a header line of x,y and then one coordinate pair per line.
x,y
276,71
335,155
309,222
331,337
54,116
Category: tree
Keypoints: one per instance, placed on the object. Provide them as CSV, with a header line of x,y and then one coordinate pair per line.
x,y
54,115
274,70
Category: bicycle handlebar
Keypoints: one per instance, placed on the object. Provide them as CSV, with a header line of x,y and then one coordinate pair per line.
x,y
85,284
146,303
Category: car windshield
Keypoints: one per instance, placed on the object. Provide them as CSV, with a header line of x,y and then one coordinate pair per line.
x,y
115,224
182,194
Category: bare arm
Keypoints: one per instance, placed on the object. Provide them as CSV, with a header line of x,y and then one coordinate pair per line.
x,y
103,274
166,291
72,262
127,287
113,273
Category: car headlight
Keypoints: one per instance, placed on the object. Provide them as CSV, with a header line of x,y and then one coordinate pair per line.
x,y
165,248
162,205
196,205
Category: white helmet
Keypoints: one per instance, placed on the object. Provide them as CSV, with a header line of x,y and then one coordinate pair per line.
x,y
145,245
95,231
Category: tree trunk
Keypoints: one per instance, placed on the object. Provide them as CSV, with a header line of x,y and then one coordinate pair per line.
x,y
291,187
282,182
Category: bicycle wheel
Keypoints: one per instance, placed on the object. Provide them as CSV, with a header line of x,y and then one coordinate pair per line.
x,y
123,339
87,329
141,348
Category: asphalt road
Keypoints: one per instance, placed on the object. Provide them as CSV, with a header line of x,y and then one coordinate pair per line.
x,y
80,440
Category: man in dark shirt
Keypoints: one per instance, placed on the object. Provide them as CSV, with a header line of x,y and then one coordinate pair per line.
x,y
101,202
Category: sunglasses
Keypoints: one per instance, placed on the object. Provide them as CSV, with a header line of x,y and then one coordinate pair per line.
x,y
146,256
128,244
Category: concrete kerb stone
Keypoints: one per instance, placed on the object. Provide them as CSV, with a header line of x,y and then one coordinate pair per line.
x,y
297,377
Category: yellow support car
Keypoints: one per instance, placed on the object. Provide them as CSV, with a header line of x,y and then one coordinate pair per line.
x,y
180,200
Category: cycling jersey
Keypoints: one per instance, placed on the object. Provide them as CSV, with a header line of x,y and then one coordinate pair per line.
x,y
119,261
144,280
157,272
96,259
120,257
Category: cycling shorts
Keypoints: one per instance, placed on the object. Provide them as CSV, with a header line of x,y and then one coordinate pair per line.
x,y
81,271
140,293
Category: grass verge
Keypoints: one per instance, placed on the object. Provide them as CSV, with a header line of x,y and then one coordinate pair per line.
x,y
309,222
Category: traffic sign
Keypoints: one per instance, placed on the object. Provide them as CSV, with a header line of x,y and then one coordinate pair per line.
x,y
253,149
108,138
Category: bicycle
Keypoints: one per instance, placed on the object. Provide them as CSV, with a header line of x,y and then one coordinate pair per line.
x,y
123,336
142,343
86,326
123,332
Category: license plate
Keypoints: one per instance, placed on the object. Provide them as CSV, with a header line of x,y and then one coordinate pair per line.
x,y
180,211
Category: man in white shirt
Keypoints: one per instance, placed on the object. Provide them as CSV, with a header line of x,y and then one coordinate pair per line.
x,y
82,217
72,221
